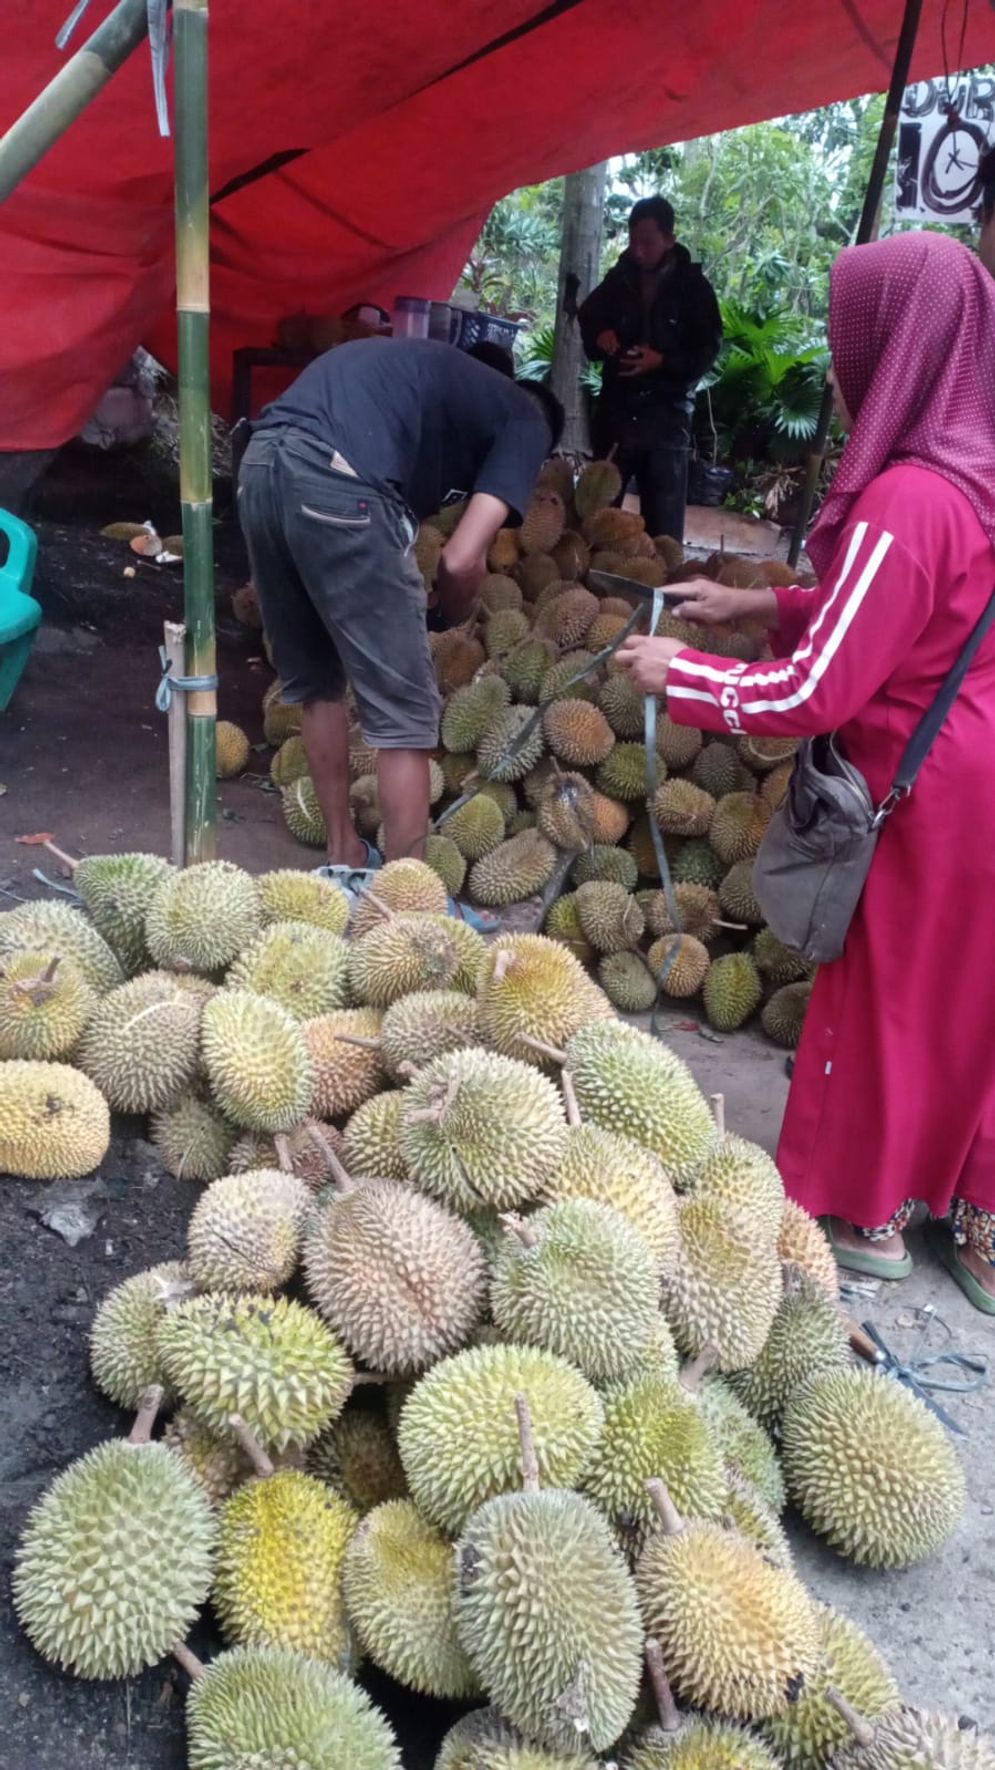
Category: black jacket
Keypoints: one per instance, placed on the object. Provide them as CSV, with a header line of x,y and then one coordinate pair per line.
x,y
683,323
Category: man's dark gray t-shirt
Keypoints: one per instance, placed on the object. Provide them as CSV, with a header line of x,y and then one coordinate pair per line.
x,y
420,419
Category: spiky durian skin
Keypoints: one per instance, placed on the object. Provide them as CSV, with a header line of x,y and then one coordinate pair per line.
x,y
407,886
777,962
302,967
577,732
115,1561
477,828
201,918
55,928
412,951
783,1017
586,1287
602,861
870,1468
517,869
219,1465
699,1745
289,763
737,897
445,859
738,826
246,1229
357,1457
269,1709
499,1130
257,1061
278,1582
469,711
45,1002
400,1278
628,1082
483,1740
471,951
732,991
458,1434
307,1147
502,752
725,1290
233,749
627,982
812,1731
802,1242
616,1171
194,1140
290,895
371,1141
909,1739
269,1360
737,1635
117,890
655,1430
741,1174
140,1044
546,1611
610,916
746,1510
302,812
682,809
398,1584
124,1356
344,1074
808,1335
698,864
745,1446
426,1025
539,989
54,1123
680,963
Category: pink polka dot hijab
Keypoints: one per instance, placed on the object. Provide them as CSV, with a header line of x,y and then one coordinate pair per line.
x,y
912,332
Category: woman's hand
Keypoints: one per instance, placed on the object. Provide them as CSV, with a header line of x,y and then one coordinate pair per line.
x,y
648,660
712,604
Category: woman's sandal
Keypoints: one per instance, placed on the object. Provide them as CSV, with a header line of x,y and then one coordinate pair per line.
x,y
940,1241
871,1265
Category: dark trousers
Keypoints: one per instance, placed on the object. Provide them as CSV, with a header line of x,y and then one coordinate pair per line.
x,y
661,475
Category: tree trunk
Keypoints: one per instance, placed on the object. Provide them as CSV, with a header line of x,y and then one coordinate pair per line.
x,y
580,260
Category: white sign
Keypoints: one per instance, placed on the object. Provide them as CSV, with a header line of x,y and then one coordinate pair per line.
x,y
943,130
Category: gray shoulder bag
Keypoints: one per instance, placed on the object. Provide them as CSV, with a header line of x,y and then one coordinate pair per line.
x,y
813,862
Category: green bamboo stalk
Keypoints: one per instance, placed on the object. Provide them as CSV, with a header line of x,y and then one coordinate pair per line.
x,y
193,312
84,75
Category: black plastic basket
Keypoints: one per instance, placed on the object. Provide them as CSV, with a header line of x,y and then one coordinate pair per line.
x,y
483,328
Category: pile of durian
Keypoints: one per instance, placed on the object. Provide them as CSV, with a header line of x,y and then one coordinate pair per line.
x,y
566,813
492,1356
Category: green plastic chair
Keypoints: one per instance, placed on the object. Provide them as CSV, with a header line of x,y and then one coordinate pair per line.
x,y
20,614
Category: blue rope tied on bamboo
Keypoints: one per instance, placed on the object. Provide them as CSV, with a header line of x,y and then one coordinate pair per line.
x,y
158,31
912,1373
168,685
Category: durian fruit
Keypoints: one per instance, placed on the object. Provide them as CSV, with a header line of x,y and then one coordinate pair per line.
x,y
610,917
418,1028
811,1731
289,895
54,1124
680,963
444,858
268,1709
774,786
504,752
364,809
531,987
401,954
429,543
503,552
870,1468
346,1059
458,656
140,1046
738,1636
678,745
469,711
193,1139
739,1173
398,1584
653,1427
577,732
682,809
498,591
302,812
257,1061
471,951
281,719
246,1230
115,1559
233,750
619,530
783,1016
623,773
605,630
700,1745
525,668
52,928
304,968
628,1082
482,1740
763,753
543,522
357,1457
124,1357
614,1171
45,1002
747,1511
282,1541
748,1452
200,919
477,828
402,885
569,678
698,864
718,770
289,762
578,1279
572,556
732,991
562,924
725,1289
219,1465
371,1143
400,1279
504,631
697,907
482,1129
737,898
546,1611
458,1436
738,826
803,1242
627,982
624,707
306,1151
567,620
536,570
808,1337
776,963
605,862
516,870
599,483
907,1739
116,890
272,1361
565,812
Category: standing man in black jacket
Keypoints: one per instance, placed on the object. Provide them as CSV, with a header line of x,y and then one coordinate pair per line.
x,y
655,324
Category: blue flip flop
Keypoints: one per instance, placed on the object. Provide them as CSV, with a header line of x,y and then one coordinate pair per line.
x,y
353,880
484,921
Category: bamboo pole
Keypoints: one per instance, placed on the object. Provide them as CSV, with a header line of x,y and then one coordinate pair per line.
x,y
67,95
193,315
866,230
174,652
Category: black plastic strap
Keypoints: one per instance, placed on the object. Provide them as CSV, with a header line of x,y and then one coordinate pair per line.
x,y
928,728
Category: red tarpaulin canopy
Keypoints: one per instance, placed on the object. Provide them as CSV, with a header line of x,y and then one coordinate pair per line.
x,y
413,120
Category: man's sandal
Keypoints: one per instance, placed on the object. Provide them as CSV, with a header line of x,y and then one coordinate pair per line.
x,y
353,880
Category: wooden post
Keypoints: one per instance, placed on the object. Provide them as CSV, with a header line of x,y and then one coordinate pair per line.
x,y
580,257
193,315
174,653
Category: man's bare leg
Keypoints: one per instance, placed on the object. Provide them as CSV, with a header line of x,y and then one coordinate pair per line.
x,y
403,779
325,730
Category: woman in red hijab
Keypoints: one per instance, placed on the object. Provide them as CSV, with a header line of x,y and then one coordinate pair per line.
x,y
893,1096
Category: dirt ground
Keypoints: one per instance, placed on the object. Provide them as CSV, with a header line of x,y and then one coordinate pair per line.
x,y
83,755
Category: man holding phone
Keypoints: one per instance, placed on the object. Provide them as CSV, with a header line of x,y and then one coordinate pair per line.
x,y
655,324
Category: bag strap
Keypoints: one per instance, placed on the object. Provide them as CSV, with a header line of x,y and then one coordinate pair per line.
x,y
928,728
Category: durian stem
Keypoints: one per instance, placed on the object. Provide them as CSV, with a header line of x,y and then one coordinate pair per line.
x,y
436,1113
61,855
530,1462
363,1379
502,963
717,1102
369,896
670,1719
862,1731
694,1374
251,1446
193,1666
517,1226
48,975
664,1507
734,927
151,1402
543,1049
281,1143
570,1099
339,1174
354,1039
